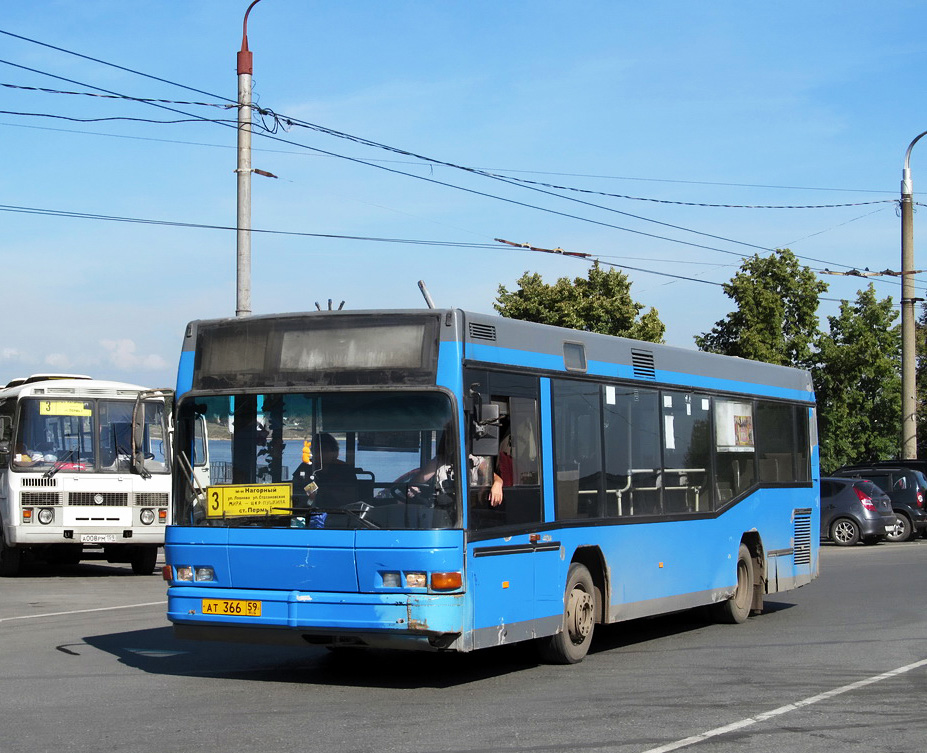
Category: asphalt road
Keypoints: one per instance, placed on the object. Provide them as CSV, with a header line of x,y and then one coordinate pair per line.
x,y
88,663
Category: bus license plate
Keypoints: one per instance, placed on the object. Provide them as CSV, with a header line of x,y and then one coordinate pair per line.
x,y
98,538
232,607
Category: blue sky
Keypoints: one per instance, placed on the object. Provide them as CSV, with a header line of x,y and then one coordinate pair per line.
x,y
788,103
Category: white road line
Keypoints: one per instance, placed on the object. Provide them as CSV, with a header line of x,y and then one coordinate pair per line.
x,y
733,727
81,611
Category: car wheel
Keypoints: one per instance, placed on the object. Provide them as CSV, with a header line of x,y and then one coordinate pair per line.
x,y
902,530
844,532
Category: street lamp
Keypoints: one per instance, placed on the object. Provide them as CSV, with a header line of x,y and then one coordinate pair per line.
x,y
243,266
908,343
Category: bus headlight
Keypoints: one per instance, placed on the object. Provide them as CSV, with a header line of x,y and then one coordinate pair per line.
x,y
147,516
46,516
416,580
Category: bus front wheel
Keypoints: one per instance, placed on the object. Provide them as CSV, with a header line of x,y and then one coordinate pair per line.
x,y
144,559
571,644
736,609
10,559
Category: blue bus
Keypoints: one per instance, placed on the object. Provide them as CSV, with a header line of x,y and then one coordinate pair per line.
x,y
443,480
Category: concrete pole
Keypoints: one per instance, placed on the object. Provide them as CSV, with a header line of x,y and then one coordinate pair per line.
x,y
908,340
243,265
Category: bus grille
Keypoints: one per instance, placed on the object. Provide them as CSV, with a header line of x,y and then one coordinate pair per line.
x,y
46,482
87,499
40,498
151,499
801,547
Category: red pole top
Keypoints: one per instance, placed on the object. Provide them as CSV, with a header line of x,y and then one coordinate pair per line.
x,y
245,58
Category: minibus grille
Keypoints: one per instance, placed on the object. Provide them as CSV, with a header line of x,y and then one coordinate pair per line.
x,y
151,499
98,499
801,547
40,498
46,482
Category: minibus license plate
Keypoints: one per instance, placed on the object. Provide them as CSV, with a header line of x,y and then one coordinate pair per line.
x,y
232,607
97,538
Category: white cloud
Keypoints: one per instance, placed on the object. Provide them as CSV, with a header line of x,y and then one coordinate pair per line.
x,y
122,355
58,360
10,354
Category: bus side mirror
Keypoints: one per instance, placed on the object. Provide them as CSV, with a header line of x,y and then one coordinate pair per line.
x,y
138,427
484,429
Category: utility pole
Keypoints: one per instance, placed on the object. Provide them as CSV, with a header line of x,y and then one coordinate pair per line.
x,y
908,340
243,266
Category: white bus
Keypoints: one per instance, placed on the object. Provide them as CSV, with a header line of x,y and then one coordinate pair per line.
x,y
75,480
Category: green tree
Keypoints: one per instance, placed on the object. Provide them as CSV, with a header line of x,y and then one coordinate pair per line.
x,y
921,380
776,317
857,383
599,303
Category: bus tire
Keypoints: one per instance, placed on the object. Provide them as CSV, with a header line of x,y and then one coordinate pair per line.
x,y
10,559
144,559
736,609
571,643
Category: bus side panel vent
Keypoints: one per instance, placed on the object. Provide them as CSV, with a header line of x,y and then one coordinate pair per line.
x,y
482,331
642,361
801,546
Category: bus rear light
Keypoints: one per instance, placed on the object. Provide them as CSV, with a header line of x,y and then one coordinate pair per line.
x,y
446,581
46,516
416,580
27,515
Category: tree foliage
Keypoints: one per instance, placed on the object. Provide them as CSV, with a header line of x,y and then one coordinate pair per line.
x,y
601,303
776,316
857,383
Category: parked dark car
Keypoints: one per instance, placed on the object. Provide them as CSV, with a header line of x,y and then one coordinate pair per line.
x,y
907,489
853,510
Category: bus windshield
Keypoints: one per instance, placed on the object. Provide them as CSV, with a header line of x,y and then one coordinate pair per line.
x,y
373,459
76,435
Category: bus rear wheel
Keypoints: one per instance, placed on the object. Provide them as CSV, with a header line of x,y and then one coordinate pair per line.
x,y
571,644
736,610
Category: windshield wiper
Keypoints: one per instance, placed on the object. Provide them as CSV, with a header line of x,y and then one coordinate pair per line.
x,y
59,464
334,510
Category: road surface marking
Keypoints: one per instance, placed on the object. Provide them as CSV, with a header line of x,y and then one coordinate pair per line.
x,y
733,727
81,611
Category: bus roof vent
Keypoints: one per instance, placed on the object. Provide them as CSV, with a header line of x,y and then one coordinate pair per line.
x,y
480,331
642,361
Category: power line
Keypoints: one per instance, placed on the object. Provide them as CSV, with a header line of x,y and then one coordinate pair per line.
x,y
430,160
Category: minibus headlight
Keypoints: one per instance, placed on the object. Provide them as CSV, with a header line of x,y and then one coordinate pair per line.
x,y
46,516
147,516
416,580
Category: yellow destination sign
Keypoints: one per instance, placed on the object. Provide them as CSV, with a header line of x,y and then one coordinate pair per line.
x,y
248,499
64,408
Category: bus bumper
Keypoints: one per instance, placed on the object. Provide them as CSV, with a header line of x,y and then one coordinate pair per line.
x,y
420,620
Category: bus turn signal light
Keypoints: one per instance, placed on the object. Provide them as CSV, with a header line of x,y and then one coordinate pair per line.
x,y
446,581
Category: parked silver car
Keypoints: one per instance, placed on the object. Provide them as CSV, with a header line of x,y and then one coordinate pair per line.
x,y
854,510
